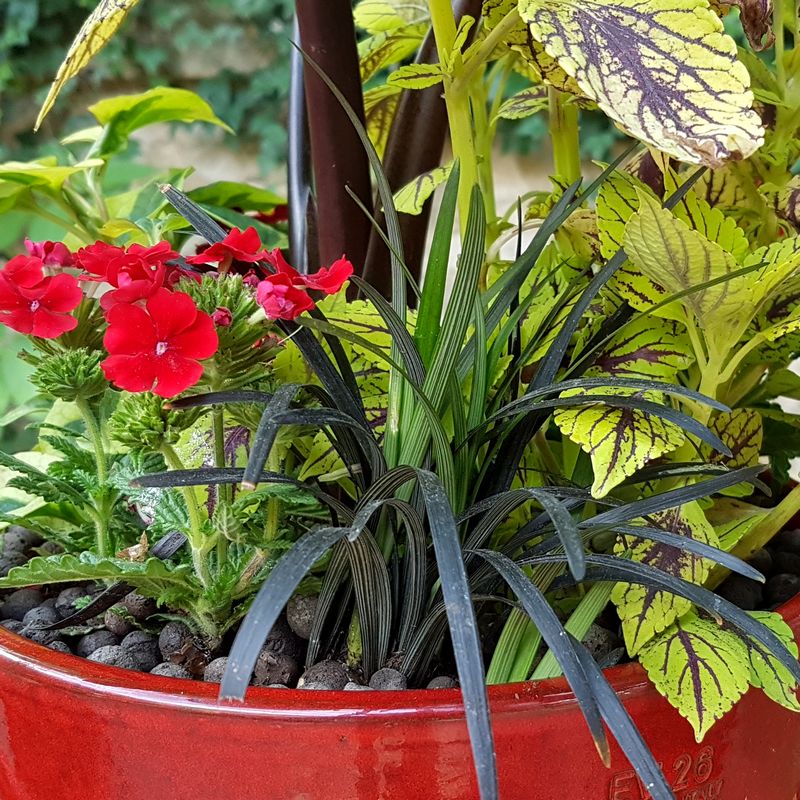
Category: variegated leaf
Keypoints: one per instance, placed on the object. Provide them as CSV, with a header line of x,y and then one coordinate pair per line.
x,y
645,611
787,202
547,67
391,47
380,107
417,76
619,440
677,258
523,104
412,197
646,347
766,672
663,69
701,668
385,16
742,432
93,36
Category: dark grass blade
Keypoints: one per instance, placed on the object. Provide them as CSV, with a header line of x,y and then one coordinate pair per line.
x,y
672,498
267,432
335,582
268,605
678,418
684,543
194,215
612,568
218,398
463,630
544,617
655,472
623,728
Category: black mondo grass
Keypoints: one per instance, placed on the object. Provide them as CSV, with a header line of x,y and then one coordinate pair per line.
x,y
414,548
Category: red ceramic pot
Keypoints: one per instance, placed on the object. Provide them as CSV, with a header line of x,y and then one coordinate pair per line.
x,y
75,730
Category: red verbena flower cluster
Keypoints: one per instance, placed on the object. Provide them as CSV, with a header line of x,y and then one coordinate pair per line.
x,y
34,303
53,254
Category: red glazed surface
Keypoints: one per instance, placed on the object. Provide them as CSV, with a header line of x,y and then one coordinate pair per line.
x,y
74,730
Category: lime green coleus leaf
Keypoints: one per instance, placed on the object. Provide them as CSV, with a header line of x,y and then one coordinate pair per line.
x,y
766,672
523,104
384,16
663,69
416,76
380,107
700,667
93,36
412,197
732,519
673,256
390,47
644,611
45,174
619,440
741,430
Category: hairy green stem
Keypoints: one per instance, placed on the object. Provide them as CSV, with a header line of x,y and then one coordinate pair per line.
x,y
95,437
483,51
195,532
224,492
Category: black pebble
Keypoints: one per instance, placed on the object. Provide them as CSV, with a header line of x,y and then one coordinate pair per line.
x,y
18,538
116,622
19,603
174,640
13,625
300,614
59,647
780,588
215,670
328,674
785,561
762,561
138,606
10,560
41,617
743,592
282,639
65,602
168,670
114,656
40,636
143,649
94,641
275,668
787,540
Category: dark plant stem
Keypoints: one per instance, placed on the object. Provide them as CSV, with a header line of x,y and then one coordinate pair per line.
x,y
299,164
328,38
415,146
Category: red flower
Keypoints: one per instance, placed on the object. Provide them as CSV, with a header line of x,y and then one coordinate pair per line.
x,y
236,246
33,304
136,273
280,299
161,344
222,317
52,254
278,214
329,280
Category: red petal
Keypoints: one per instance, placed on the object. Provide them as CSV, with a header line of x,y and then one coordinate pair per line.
x,y
23,271
50,325
61,293
176,374
198,341
130,331
19,319
131,373
96,258
330,280
277,260
10,298
172,312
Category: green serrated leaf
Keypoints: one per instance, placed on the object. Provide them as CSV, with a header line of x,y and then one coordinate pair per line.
x,y
619,440
742,432
380,107
391,47
766,672
701,668
523,104
646,612
417,76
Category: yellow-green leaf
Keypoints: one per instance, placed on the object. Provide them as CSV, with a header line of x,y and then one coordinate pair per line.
x,y
523,104
732,519
412,197
766,672
701,668
677,258
619,440
742,432
93,36
383,49
645,611
45,174
382,16
416,76
380,107
663,69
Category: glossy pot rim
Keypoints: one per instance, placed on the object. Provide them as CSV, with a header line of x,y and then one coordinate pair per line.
x,y
75,674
